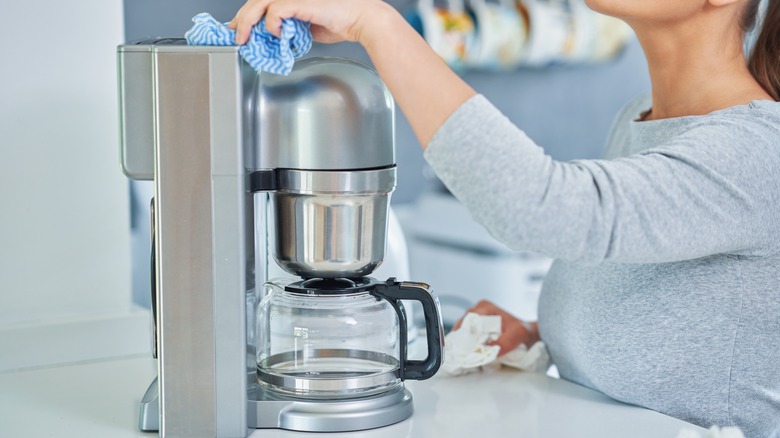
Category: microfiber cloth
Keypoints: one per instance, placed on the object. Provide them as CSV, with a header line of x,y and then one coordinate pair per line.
x,y
264,52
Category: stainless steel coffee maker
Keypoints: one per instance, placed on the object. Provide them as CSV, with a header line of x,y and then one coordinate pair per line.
x,y
256,170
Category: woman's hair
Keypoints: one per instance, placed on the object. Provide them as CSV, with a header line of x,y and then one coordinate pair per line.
x,y
764,61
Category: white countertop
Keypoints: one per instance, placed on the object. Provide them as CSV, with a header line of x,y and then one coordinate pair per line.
x,y
100,398
85,379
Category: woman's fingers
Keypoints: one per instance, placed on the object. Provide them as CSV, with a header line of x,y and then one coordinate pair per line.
x,y
513,333
249,15
274,14
331,20
485,307
458,324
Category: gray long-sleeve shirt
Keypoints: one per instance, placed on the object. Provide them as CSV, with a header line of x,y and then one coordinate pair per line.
x,y
666,291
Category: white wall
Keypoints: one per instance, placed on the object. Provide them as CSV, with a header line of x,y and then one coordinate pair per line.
x,y
64,243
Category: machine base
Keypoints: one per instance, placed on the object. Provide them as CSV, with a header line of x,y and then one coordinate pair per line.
x,y
266,410
269,411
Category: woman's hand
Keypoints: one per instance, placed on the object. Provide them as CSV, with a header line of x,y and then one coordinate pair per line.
x,y
513,331
332,20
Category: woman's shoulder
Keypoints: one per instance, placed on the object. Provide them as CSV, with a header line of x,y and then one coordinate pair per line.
x,y
739,143
756,109
754,126
763,112
756,123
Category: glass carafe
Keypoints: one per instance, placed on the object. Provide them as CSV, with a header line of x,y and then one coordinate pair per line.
x,y
340,338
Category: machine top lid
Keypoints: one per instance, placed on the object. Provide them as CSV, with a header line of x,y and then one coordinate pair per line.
x,y
329,113
147,44
161,44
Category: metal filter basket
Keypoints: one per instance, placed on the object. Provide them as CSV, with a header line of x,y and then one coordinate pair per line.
x,y
332,224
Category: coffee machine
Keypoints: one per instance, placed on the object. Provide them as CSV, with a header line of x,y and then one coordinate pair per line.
x,y
251,171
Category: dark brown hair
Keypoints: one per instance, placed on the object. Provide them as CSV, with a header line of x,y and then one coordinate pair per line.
x,y
764,61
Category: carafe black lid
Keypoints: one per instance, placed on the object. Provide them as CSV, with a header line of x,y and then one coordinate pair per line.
x,y
332,286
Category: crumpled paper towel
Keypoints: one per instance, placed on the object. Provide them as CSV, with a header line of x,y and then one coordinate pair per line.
x,y
466,349
713,432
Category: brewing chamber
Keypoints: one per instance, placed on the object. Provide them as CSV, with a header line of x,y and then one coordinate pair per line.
x,y
326,132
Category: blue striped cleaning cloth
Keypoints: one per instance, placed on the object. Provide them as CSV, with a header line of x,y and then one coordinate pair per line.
x,y
263,51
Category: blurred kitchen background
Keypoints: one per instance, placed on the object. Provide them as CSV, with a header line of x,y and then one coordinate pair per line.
x,y
74,231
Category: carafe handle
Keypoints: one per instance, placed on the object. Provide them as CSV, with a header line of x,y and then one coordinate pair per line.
x,y
393,292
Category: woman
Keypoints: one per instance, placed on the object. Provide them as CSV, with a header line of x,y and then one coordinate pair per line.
x,y
666,292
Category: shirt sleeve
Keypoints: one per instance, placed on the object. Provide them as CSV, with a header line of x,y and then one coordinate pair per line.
x,y
708,191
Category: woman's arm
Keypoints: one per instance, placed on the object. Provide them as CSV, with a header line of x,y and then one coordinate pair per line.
x,y
710,190
425,88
